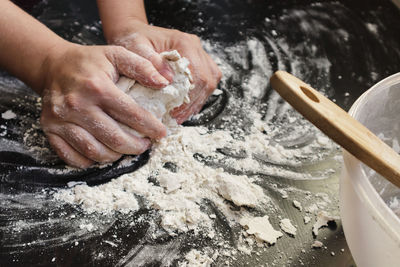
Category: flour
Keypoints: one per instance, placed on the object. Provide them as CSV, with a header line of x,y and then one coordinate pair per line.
x,y
178,195
187,170
287,227
322,220
261,228
87,226
317,244
196,258
297,205
232,189
312,209
8,115
306,219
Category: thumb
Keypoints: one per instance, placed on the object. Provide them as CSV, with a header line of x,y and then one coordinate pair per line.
x,y
136,67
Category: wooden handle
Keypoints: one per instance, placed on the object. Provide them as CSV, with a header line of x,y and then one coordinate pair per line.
x,y
338,125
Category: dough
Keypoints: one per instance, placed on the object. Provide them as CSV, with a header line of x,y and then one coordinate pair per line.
x,y
161,102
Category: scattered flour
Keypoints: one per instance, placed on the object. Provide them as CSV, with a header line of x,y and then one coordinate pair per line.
x,y
73,183
317,244
8,115
196,258
87,226
110,243
178,194
180,174
287,227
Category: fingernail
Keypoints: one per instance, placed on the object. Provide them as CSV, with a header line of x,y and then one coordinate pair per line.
x,y
163,132
158,79
146,144
167,72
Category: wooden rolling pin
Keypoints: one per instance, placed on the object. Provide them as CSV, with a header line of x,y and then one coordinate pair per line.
x,y
338,125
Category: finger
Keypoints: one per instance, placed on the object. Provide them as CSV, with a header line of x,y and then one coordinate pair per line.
x,y
106,130
146,50
67,153
183,112
124,109
136,67
200,67
83,142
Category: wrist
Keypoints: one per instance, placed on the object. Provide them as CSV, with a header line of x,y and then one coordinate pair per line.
x,y
119,32
54,53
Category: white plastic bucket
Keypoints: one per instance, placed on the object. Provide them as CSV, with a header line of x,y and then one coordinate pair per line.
x,y
371,228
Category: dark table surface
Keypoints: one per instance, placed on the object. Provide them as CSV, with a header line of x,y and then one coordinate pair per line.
x,y
341,48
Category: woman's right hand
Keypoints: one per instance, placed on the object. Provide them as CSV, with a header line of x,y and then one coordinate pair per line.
x,y
81,106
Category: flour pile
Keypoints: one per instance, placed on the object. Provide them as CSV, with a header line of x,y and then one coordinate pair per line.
x,y
179,185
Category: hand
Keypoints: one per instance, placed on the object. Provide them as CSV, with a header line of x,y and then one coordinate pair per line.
x,y
148,41
81,106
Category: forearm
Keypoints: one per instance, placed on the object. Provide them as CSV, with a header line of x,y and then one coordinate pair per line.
x,y
25,44
118,16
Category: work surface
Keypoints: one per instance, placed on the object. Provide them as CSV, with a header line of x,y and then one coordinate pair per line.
x,y
339,48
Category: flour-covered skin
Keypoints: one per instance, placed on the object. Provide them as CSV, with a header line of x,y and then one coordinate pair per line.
x,y
82,109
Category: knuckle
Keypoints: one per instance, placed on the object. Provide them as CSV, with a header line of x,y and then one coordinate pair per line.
x,y
202,80
144,64
138,119
119,49
154,58
90,151
55,112
114,49
177,33
116,140
189,38
93,85
71,101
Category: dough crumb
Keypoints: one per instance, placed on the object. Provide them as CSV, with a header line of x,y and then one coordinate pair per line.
x,y
287,227
317,244
239,190
312,209
261,228
307,219
297,205
322,220
8,115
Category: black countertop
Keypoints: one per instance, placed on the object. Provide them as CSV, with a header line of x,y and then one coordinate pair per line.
x,y
341,48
